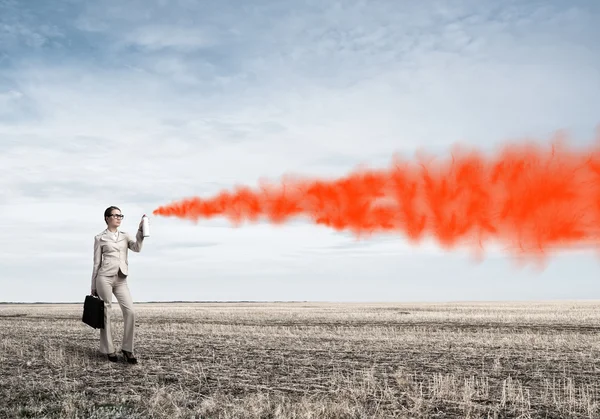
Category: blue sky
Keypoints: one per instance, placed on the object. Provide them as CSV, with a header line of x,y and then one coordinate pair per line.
x,y
139,103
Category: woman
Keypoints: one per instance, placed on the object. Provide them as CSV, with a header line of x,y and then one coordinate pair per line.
x,y
109,276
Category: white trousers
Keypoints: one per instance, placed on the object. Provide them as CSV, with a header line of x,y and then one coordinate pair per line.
x,y
106,286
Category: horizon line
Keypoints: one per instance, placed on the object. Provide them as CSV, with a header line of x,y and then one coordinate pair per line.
x,y
308,301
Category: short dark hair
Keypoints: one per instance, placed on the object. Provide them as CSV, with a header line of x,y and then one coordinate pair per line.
x,y
108,212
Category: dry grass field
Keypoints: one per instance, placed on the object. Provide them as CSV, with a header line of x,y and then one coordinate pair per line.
x,y
305,360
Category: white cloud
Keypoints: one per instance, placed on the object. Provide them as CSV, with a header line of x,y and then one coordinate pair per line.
x,y
157,37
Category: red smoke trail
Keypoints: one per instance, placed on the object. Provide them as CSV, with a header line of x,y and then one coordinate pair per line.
x,y
528,197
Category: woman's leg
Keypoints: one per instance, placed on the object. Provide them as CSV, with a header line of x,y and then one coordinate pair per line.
x,y
104,287
126,302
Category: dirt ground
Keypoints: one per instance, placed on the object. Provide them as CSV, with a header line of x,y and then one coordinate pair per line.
x,y
307,360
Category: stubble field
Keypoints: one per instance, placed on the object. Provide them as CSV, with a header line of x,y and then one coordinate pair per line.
x,y
307,360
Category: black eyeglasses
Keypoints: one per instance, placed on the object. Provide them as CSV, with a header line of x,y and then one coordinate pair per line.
x,y
121,216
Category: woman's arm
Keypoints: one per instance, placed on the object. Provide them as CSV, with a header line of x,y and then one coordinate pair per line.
x,y
136,245
97,261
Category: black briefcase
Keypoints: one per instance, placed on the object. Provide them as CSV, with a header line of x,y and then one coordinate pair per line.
x,y
93,312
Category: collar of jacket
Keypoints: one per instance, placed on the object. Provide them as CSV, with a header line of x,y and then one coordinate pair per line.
x,y
120,234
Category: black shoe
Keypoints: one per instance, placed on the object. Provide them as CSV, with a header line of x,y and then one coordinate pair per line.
x,y
112,357
129,357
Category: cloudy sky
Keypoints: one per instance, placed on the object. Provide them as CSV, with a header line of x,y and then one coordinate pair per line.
x,y
140,103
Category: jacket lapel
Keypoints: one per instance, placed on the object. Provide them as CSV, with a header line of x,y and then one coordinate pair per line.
x,y
105,236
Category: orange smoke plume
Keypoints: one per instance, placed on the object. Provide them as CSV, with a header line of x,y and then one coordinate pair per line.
x,y
528,197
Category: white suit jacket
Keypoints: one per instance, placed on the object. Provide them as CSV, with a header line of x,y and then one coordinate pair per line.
x,y
110,256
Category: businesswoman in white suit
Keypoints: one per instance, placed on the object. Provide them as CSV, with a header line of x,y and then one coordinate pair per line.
x,y
109,276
